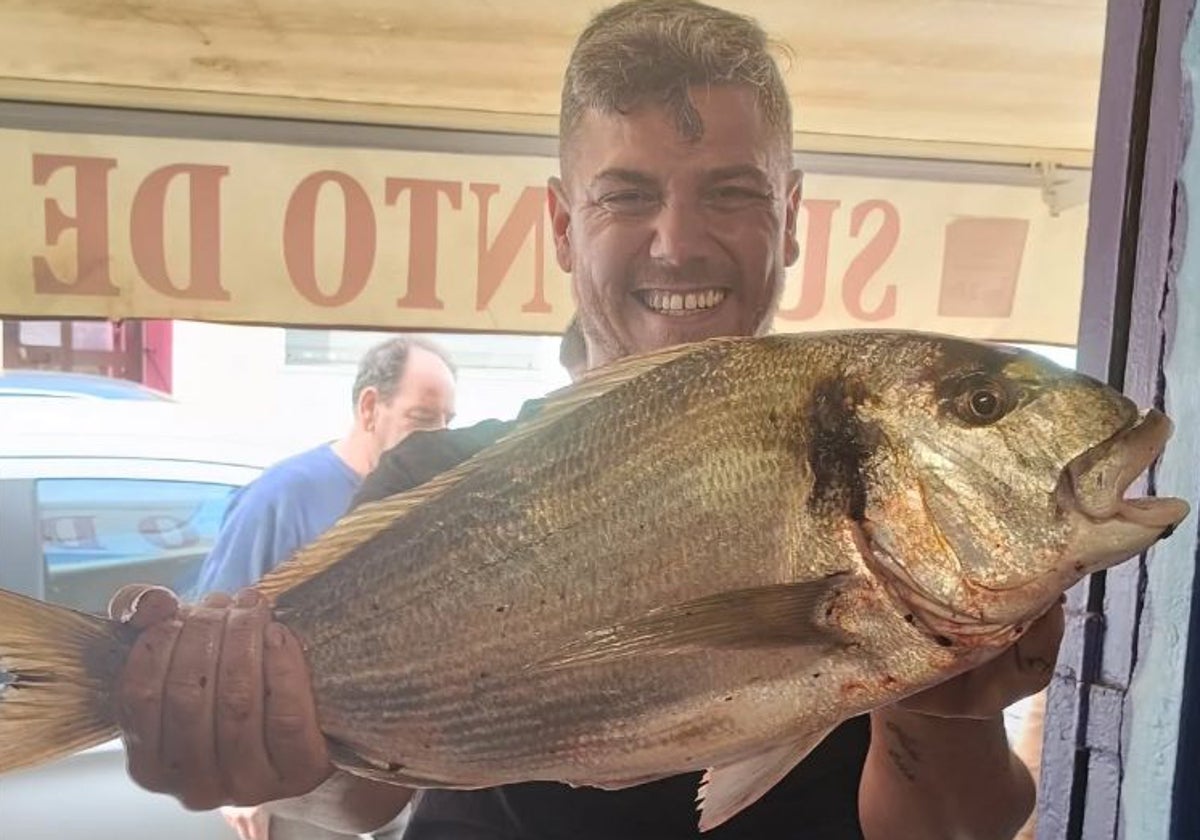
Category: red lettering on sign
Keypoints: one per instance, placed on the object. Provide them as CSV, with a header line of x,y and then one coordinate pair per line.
x,y
818,233
528,216
422,235
299,239
90,223
870,259
146,229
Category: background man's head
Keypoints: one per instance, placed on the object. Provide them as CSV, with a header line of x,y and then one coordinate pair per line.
x,y
403,384
676,209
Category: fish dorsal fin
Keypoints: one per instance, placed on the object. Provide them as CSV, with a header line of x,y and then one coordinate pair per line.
x,y
601,381
726,791
368,519
780,615
349,532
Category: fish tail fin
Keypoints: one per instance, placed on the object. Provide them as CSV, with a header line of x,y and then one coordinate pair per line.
x,y
58,671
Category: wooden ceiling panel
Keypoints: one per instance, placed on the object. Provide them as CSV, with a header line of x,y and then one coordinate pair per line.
x,y
974,79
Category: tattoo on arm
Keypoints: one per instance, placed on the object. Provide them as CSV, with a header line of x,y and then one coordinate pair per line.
x,y
902,751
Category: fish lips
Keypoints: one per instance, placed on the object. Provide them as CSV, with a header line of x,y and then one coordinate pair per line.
x,y
1094,484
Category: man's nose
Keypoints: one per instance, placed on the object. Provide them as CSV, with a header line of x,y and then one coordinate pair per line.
x,y
680,234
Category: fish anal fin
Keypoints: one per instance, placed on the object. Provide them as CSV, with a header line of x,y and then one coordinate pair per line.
x,y
726,791
775,616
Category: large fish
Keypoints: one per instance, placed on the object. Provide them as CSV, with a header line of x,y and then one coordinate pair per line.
x,y
705,557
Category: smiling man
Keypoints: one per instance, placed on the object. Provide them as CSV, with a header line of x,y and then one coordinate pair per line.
x,y
675,215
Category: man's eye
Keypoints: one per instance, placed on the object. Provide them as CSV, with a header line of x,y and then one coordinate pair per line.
x,y
733,196
629,201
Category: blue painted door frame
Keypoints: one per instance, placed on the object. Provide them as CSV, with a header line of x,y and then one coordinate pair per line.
x,y
1119,713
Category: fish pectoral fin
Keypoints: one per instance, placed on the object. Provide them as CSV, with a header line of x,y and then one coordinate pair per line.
x,y
781,615
726,791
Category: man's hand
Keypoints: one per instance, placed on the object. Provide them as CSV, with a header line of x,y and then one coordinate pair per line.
x,y
215,701
249,823
1021,671
940,765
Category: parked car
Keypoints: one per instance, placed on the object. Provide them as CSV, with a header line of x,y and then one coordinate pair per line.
x,y
95,494
56,383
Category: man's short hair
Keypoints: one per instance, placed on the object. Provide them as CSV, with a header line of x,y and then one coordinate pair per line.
x,y
382,366
652,51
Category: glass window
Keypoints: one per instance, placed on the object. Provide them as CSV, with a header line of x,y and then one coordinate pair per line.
x,y
99,534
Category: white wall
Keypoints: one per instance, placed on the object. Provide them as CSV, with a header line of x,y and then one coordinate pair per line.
x,y
241,376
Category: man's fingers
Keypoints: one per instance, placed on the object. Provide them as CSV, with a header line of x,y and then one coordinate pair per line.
x,y
241,747
140,605
1037,651
140,699
188,739
294,740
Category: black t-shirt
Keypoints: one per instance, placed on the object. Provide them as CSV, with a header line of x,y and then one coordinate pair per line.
x,y
818,800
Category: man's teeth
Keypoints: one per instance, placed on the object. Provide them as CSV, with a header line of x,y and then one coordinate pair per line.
x,y
676,303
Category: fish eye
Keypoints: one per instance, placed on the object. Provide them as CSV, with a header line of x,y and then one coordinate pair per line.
x,y
982,400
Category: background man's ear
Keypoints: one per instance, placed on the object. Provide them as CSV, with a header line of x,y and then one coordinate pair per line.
x,y
367,409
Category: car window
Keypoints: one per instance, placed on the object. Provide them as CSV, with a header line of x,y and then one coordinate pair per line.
x,y
98,534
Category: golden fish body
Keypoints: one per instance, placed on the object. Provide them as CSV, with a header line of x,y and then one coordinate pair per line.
x,y
707,558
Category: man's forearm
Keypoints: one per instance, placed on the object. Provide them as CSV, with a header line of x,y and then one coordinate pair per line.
x,y
930,778
346,803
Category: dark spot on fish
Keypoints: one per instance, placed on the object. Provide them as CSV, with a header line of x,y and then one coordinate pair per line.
x,y
394,766
817,675
483,675
1079,567
829,610
909,618
501,608
838,448
888,679
203,681
375,606
728,698
943,641
773,417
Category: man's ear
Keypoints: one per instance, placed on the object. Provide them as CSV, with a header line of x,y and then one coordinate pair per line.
x,y
791,243
560,222
367,409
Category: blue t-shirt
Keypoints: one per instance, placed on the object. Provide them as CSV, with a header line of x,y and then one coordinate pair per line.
x,y
288,506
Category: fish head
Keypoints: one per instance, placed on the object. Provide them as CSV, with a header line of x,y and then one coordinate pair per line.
x,y
1000,479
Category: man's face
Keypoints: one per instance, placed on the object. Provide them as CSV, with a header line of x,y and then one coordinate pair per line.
x,y
670,240
424,399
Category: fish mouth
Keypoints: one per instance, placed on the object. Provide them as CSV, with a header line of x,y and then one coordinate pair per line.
x,y
677,303
1095,483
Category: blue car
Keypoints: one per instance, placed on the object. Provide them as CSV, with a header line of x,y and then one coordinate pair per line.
x,y
55,383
